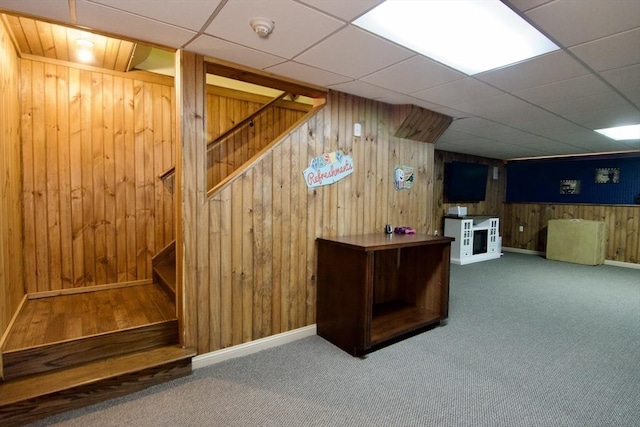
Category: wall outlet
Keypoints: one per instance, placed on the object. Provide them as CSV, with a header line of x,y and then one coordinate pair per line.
x,y
521,228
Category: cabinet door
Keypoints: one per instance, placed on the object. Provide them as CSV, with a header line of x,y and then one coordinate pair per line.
x,y
466,238
493,243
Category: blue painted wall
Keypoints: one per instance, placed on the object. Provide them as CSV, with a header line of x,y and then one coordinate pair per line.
x,y
538,181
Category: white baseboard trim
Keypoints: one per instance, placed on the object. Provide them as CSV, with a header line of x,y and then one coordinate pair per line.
x,y
606,261
522,251
207,359
622,264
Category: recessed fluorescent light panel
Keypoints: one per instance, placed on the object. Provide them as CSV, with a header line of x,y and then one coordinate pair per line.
x,y
471,36
621,133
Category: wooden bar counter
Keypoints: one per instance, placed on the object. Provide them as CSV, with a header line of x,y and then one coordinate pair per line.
x,y
376,288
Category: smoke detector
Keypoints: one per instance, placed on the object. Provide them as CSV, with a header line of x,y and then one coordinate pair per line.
x,y
262,26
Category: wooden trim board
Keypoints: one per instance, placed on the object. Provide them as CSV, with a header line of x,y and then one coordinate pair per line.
x,y
218,356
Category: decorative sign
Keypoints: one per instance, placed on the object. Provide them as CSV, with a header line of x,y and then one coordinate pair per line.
x,y
327,169
607,175
569,186
403,177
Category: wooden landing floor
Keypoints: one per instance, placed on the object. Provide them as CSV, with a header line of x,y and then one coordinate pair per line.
x,y
45,320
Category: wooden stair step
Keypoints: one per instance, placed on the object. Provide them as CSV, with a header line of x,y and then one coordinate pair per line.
x,y
164,268
28,399
166,274
48,357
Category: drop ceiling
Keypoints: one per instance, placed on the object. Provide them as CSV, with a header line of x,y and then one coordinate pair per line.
x,y
547,106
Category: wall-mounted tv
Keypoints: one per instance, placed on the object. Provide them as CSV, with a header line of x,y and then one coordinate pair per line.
x,y
465,182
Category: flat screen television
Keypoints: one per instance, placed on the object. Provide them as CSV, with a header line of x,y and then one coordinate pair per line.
x,y
465,182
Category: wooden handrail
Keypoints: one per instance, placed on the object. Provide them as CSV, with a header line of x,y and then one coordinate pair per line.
x,y
246,120
164,175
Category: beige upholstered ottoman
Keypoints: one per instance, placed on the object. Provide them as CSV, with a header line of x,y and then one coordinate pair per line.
x,y
576,240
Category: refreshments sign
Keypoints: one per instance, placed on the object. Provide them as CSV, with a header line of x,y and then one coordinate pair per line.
x,y
327,169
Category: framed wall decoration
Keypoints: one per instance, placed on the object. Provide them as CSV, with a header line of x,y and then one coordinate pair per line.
x,y
569,186
403,177
607,176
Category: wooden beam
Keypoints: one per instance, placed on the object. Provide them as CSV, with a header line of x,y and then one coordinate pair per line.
x,y
244,74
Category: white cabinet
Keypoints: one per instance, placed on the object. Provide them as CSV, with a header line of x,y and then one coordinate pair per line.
x,y
477,238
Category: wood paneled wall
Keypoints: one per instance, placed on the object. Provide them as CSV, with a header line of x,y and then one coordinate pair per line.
x,y
262,225
11,259
622,224
226,108
255,273
496,189
94,143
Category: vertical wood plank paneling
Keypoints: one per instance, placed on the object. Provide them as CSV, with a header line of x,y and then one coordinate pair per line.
x,y
109,132
65,166
99,181
246,265
267,269
94,144
225,274
86,144
40,178
120,179
236,262
51,173
223,112
11,183
277,243
129,177
621,222
28,184
496,189
267,223
215,303
258,261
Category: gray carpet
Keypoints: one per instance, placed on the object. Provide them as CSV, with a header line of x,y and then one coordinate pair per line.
x,y
529,342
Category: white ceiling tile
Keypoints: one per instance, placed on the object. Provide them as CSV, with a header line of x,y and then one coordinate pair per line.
x,y
497,132
221,49
492,106
356,87
414,74
594,142
190,14
624,77
457,92
451,135
488,148
600,101
57,10
307,73
350,52
429,105
347,10
524,5
474,124
547,127
115,21
611,52
571,22
453,113
604,118
562,90
544,69
633,94
296,26
395,98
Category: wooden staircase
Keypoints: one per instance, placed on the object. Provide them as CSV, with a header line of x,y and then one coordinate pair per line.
x,y
68,349
164,268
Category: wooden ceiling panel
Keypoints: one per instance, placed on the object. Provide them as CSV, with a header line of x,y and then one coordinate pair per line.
x,y
53,41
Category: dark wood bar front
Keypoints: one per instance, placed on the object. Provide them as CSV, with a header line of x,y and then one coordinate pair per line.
x,y
376,288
